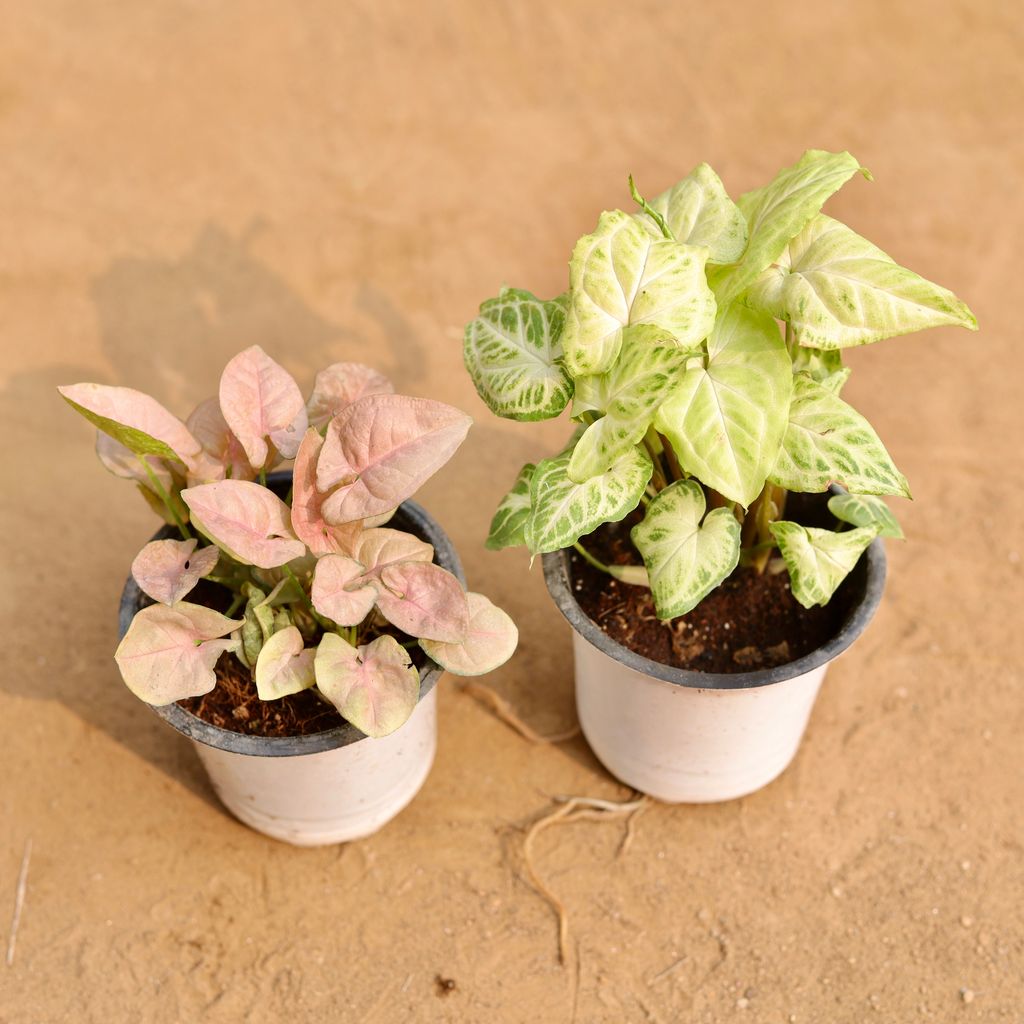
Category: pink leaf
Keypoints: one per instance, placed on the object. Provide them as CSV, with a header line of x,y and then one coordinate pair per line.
x,y
377,549
261,401
134,419
490,641
375,687
424,600
330,595
167,570
380,449
249,522
284,666
169,653
309,525
223,454
340,385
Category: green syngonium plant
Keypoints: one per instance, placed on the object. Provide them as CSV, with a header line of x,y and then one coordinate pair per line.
x,y
700,345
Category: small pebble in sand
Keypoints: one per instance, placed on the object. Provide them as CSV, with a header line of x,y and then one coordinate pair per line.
x,y
966,920
967,995
742,1003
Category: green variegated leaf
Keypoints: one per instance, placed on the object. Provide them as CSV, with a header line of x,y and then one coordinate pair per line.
x,y
649,366
827,441
508,527
866,510
838,290
726,420
564,511
685,559
819,560
621,275
698,211
513,353
816,363
781,210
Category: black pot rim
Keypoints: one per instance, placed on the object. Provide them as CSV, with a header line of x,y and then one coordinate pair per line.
x,y
862,609
291,746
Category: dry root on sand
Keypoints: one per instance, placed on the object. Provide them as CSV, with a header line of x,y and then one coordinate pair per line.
x,y
572,809
504,711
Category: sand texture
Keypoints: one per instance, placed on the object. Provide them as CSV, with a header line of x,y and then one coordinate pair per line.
x,y
335,181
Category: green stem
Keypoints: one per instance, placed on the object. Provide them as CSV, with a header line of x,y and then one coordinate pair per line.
x,y
164,497
325,624
263,477
634,574
649,210
235,605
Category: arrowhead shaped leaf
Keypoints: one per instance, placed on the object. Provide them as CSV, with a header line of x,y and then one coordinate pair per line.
x,y
223,455
249,522
819,560
167,570
513,352
284,665
261,402
838,290
423,600
564,511
685,559
779,211
698,211
649,366
491,640
380,449
331,594
169,653
508,527
133,419
828,442
375,687
339,386
620,275
320,536
726,421
866,510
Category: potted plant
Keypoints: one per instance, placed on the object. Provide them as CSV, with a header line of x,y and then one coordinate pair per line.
x,y
693,530
275,620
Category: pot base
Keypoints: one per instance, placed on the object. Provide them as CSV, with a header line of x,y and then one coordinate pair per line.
x,y
333,796
682,744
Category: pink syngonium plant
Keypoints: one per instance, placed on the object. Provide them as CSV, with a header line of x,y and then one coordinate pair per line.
x,y
316,577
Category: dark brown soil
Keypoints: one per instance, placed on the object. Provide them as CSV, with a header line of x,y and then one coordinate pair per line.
x,y
751,621
234,704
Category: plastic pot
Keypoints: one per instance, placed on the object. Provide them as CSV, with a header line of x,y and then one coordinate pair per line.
x,y
700,737
327,787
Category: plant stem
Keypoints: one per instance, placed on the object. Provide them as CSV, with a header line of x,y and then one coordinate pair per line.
x,y
634,574
164,497
263,477
672,459
649,210
235,605
324,624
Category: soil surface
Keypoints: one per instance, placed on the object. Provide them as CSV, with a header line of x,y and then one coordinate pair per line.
x,y
348,182
750,621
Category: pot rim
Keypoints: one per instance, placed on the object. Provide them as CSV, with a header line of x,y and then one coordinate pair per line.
x,y
314,743
862,609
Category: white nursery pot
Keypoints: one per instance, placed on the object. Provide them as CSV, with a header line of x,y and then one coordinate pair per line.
x,y
326,787
699,737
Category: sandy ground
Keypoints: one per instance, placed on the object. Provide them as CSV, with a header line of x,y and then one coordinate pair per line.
x,y
347,181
